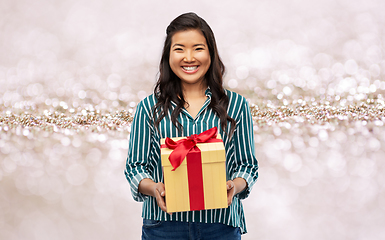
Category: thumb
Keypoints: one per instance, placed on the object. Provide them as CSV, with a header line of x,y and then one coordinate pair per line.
x,y
162,190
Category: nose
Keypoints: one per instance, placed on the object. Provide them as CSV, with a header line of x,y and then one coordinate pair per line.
x,y
188,57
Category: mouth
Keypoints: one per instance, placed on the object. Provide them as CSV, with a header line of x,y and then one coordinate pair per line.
x,y
190,69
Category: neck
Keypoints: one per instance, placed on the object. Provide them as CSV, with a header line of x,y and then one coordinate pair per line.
x,y
194,90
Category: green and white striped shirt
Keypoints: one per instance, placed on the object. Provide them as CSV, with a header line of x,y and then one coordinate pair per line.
x,y
144,159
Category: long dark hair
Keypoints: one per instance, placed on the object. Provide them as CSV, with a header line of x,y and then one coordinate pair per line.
x,y
168,87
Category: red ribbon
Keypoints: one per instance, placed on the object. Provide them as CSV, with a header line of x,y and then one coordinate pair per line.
x,y
186,148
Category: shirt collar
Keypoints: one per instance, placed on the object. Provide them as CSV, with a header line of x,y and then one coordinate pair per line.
x,y
207,93
208,101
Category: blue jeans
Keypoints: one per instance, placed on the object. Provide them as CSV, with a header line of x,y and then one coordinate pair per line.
x,y
163,230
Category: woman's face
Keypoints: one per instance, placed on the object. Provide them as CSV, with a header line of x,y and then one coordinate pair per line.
x,y
189,56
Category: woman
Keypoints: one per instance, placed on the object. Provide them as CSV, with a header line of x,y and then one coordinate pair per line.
x,y
189,98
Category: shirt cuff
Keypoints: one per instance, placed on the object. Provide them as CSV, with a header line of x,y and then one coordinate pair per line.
x,y
134,184
249,180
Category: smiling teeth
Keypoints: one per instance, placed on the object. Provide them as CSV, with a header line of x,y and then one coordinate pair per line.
x,y
190,68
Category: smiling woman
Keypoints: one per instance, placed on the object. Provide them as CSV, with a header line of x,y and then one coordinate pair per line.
x,y
189,99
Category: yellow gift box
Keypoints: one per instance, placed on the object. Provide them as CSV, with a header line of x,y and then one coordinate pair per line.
x,y
182,183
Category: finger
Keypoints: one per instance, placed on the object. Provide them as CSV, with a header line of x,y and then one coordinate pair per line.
x,y
160,200
230,193
229,200
230,196
161,189
161,204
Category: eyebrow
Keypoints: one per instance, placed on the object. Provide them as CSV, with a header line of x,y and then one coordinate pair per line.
x,y
181,45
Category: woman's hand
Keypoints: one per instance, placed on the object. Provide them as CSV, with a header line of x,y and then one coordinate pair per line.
x,y
234,187
156,190
159,194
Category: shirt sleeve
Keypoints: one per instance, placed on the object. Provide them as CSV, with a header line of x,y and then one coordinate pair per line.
x,y
246,164
137,165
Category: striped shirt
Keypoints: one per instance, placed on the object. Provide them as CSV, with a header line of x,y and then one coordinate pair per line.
x,y
144,159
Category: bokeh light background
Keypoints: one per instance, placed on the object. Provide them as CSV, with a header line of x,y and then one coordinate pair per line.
x,y
72,72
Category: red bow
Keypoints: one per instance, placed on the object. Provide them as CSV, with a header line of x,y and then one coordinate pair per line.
x,y
184,146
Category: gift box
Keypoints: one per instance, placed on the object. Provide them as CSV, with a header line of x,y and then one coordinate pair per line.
x,y
194,170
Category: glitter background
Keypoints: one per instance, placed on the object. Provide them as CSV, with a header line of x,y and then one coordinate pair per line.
x,y
72,72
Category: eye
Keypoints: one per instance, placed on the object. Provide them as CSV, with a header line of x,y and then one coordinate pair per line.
x,y
199,49
178,49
